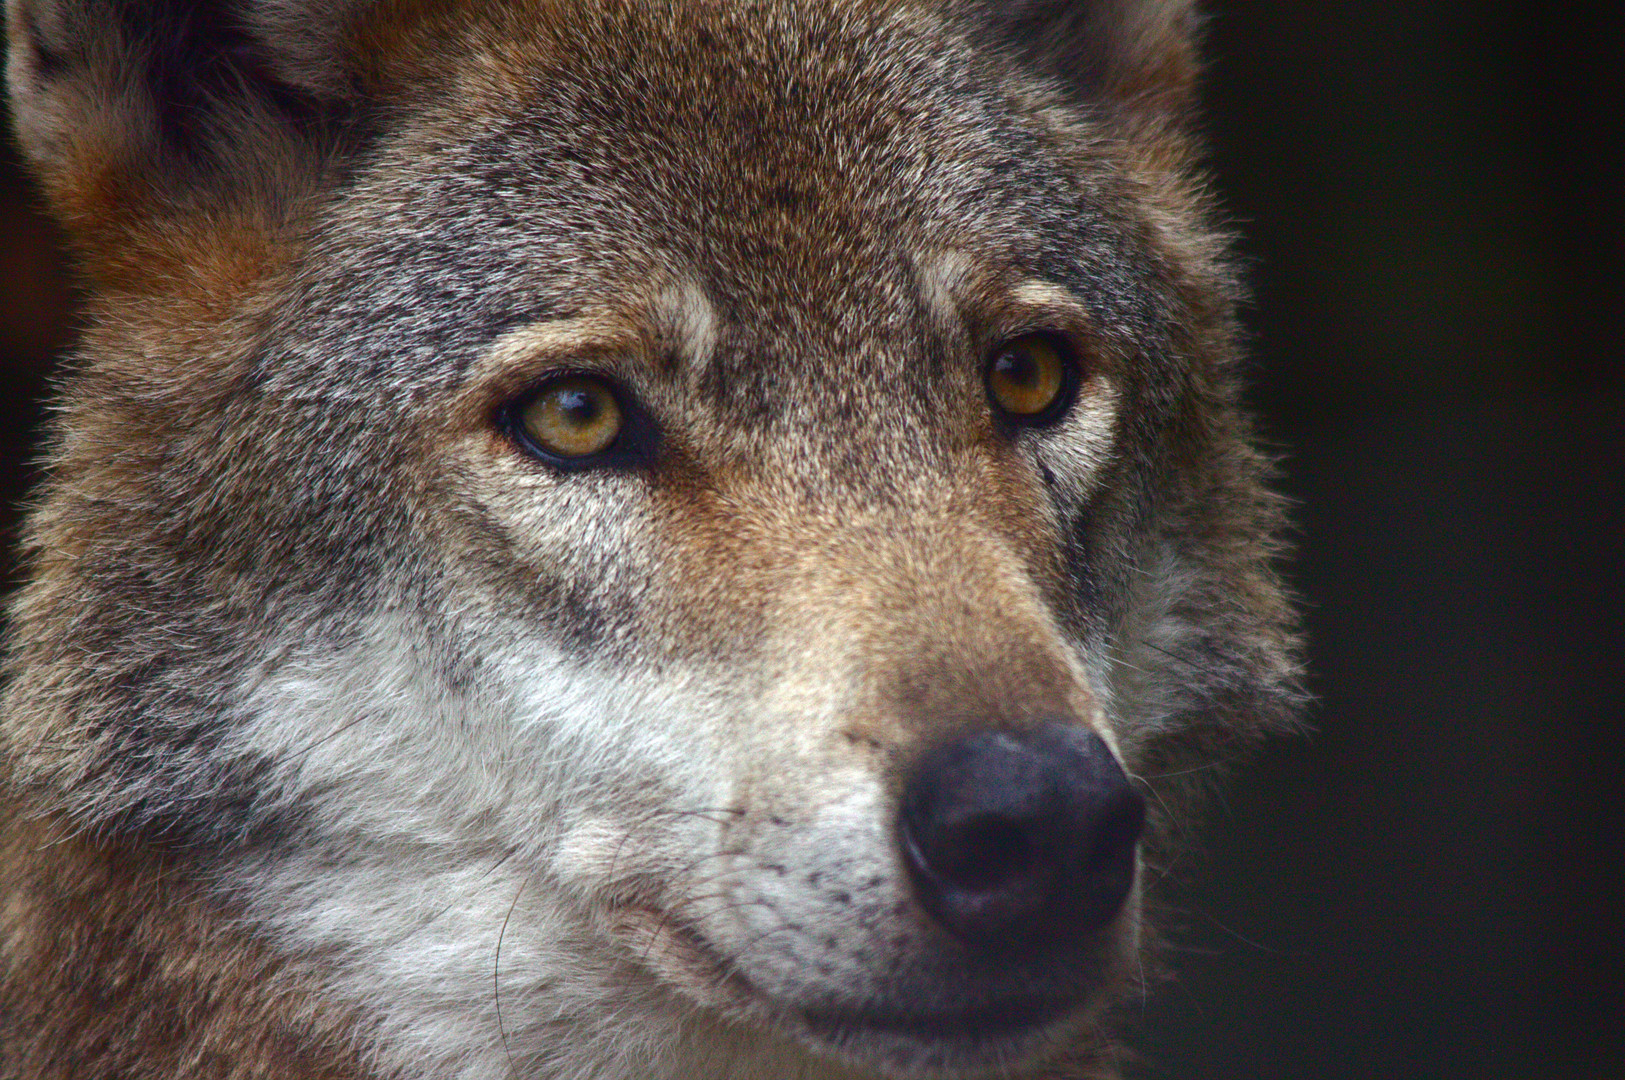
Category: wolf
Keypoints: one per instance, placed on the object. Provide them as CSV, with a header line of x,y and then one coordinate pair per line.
x,y
659,539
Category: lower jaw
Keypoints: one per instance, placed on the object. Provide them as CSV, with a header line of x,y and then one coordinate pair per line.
x,y
988,1040
1006,1019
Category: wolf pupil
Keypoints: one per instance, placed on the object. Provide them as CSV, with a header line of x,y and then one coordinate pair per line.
x,y
1019,367
578,406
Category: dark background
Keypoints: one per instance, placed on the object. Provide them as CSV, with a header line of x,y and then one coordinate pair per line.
x,y
1429,886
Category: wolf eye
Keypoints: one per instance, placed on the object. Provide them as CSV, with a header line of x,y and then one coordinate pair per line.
x,y
1030,378
570,418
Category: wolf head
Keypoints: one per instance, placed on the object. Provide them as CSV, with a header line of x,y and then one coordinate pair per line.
x,y
648,539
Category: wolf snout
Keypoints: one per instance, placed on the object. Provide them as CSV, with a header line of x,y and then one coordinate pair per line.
x,y
1016,839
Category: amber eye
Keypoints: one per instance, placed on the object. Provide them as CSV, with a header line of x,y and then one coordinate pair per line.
x,y
571,417
1029,378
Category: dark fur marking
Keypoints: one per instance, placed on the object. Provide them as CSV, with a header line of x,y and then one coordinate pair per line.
x,y
50,64
579,622
199,59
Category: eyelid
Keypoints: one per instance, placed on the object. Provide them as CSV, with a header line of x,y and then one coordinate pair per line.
x,y
523,357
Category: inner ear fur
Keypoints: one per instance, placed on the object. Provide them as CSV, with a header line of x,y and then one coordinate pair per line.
x,y
1139,58
134,113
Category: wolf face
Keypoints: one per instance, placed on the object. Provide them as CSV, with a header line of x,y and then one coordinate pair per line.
x,y
629,540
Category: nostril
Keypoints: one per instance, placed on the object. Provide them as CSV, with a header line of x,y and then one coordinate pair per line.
x,y
1011,836
982,853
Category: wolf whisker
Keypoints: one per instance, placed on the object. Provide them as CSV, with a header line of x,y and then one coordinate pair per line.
x,y
496,981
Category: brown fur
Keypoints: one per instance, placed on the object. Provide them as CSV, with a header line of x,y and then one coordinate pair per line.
x,y
117,967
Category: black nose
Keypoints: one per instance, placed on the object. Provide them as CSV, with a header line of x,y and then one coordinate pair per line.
x,y
1020,838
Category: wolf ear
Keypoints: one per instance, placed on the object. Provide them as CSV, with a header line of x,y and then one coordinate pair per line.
x,y
132,110
1138,56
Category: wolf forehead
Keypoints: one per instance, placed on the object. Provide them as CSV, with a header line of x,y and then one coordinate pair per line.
x,y
811,186
835,190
